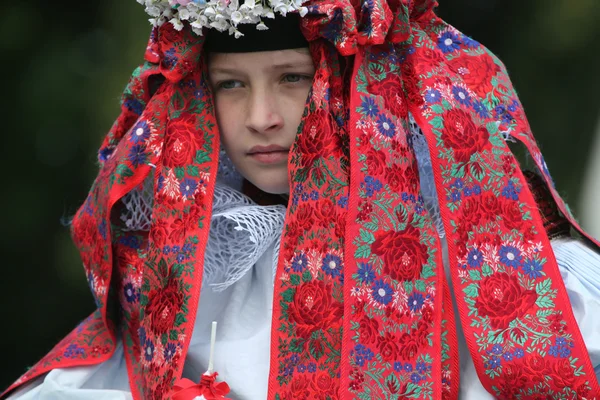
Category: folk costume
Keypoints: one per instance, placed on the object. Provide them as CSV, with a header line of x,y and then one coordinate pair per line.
x,y
400,171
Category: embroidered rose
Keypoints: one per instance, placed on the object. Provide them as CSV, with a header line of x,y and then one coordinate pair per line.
x,y
563,374
163,305
313,308
325,212
535,367
476,72
408,347
461,133
317,138
502,299
368,330
402,180
388,346
514,380
411,86
298,388
390,89
511,215
305,216
375,161
429,60
158,233
183,140
402,253
323,385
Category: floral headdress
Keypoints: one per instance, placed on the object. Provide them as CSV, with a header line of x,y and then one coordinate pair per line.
x,y
362,307
222,15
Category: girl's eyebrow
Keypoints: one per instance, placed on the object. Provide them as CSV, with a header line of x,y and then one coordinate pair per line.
x,y
225,70
292,65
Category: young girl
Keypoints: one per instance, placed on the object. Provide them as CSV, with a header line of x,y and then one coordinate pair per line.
x,y
414,258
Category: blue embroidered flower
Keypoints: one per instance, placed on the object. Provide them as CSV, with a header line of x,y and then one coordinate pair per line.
x,y
510,191
188,187
533,268
142,334
105,153
467,192
140,132
510,256
433,96
166,250
332,265
314,195
408,367
461,95
477,190
73,351
181,257
519,353
175,249
137,155
301,368
369,107
343,202
497,349
475,258
415,378
102,229
148,350
312,367
454,196
469,42
366,273
398,367
386,126
415,301
495,362
170,59
382,292
160,183
299,262
294,359
561,341
371,185
134,105
421,367
481,109
131,294
448,42
169,351
507,356
304,196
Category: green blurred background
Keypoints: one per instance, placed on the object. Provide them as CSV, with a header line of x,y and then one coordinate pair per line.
x,y
66,64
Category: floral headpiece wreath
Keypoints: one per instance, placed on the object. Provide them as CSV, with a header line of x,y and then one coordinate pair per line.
x,y
222,15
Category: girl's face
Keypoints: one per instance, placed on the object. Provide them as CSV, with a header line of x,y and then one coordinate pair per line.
x,y
260,98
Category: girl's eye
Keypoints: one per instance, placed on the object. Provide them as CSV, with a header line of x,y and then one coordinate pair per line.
x,y
294,78
228,85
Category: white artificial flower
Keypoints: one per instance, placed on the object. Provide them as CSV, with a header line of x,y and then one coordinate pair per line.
x,y
177,24
236,17
223,15
184,14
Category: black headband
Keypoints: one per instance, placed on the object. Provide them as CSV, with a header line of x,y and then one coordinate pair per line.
x,y
283,33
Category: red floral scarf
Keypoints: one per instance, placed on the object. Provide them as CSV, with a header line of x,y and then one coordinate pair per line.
x,y
362,307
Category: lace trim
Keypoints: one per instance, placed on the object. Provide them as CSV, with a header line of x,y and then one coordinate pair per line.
x,y
253,229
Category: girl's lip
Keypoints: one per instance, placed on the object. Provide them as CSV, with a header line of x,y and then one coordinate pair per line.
x,y
272,148
271,154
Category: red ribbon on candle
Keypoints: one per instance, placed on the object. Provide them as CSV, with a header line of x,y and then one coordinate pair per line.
x,y
185,389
